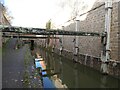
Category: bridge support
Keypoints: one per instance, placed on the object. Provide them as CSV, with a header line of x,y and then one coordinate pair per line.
x,y
32,45
105,54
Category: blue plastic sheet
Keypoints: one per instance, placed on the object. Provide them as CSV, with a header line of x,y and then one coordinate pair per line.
x,y
37,64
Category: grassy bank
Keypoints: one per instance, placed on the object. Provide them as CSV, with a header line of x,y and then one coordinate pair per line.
x,y
5,45
0,51
26,76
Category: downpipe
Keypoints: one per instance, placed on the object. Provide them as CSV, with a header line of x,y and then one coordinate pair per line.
x,y
76,42
105,54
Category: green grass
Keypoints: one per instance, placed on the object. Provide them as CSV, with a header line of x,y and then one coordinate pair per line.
x,y
0,52
26,76
27,57
26,79
0,49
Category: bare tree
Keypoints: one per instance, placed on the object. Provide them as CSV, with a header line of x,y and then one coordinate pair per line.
x,y
7,14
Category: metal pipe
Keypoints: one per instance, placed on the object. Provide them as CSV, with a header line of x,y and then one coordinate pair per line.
x,y
63,38
106,57
108,6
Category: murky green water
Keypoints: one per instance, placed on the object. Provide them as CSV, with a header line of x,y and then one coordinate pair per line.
x,y
68,74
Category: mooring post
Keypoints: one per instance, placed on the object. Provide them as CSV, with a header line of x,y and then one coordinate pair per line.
x,y
32,44
105,57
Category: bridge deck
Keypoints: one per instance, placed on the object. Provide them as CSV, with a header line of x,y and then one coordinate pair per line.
x,y
39,31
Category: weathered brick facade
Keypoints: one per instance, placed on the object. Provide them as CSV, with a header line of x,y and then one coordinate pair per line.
x,y
114,32
95,22
119,31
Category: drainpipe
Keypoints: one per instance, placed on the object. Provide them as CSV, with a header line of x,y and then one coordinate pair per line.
x,y
63,38
106,57
76,38
108,8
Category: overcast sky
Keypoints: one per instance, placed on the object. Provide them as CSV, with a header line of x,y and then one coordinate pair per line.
x,y
35,13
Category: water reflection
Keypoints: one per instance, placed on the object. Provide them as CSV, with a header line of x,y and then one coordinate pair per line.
x,y
67,74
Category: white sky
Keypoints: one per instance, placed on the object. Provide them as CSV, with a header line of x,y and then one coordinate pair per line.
x,y
35,13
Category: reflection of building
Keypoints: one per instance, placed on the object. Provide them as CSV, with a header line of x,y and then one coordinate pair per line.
x,y
58,82
3,21
50,72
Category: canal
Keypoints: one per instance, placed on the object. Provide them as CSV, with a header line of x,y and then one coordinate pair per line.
x,y
61,72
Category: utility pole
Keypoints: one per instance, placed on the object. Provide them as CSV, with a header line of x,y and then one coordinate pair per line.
x,y
105,55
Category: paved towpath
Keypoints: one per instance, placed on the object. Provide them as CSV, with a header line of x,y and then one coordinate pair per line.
x,y
12,65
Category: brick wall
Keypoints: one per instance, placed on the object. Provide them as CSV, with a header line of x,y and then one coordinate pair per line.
x,y
119,31
95,22
114,32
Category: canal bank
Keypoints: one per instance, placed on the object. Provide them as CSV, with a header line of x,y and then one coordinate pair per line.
x,y
69,74
18,67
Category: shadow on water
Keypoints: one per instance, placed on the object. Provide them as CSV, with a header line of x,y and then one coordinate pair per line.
x,y
63,73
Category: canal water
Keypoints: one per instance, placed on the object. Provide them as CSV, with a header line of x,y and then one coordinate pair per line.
x,y
63,73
